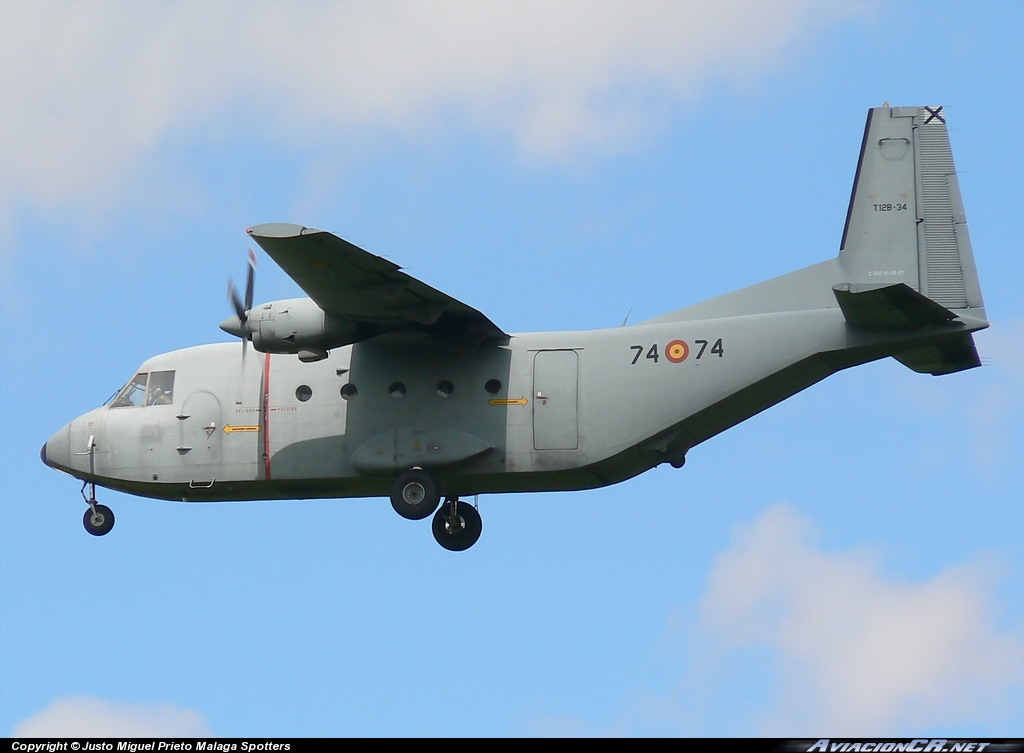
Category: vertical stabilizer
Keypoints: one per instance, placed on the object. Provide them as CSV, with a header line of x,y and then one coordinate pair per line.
x,y
906,222
905,261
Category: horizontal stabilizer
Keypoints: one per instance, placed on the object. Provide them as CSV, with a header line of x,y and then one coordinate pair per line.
x,y
889,307
946,356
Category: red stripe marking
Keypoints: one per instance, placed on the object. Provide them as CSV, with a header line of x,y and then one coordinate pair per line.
x,y
266,417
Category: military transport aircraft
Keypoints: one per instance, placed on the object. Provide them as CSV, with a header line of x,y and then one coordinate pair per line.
x,y
377,384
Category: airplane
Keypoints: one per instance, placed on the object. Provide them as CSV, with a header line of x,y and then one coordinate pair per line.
x,y
377,384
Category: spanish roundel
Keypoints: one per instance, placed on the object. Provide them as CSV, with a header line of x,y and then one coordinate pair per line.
x,y
677,351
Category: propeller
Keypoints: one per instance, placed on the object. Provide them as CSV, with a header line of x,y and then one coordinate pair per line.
x,y
238,324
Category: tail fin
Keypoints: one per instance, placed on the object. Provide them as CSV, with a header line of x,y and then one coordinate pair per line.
x,y
906,253
905,263
906,220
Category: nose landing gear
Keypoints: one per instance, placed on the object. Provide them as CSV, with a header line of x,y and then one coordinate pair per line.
x,y
98,519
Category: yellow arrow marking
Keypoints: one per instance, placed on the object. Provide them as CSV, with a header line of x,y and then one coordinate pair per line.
x,y
519,401
229,429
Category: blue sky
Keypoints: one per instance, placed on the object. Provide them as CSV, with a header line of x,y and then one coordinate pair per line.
x,y
848,563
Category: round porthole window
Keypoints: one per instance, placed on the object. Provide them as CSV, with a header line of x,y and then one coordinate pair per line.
x,y
493,386
397,390
349,391
303,392
445,388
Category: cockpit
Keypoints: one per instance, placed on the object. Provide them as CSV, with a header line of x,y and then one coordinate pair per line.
x,y
146,388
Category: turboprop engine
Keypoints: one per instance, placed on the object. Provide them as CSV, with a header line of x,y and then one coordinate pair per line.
x,y
293,325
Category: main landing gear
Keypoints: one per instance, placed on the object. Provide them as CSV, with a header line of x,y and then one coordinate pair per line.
x,y
98,519
416,495
457,525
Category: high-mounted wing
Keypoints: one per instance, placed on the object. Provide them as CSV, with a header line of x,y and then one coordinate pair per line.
x,y
368,292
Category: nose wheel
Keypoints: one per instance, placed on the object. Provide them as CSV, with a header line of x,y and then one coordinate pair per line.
x,y
98,519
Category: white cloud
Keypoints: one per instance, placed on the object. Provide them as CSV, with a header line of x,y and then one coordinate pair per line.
x,y
85,716
858,652
794,641
92,89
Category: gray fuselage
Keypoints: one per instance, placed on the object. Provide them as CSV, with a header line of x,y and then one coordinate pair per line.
x,y
548,411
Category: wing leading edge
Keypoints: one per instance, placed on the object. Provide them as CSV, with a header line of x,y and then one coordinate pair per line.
x,y
373,294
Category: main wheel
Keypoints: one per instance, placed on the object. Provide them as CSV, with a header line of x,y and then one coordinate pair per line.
x,y
415,495
459,532
100,522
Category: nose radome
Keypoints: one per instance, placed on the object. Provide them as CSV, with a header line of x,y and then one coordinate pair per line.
x,y
56,453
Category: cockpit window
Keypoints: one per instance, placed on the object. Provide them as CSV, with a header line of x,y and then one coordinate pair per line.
x,y
161,388
134,393
147,389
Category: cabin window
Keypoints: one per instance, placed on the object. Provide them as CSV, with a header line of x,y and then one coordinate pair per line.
x,y
348,391
396,390
445,388
161,388
133,393
303,392
493,386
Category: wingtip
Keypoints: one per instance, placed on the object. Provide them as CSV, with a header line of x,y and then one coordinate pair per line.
x,y
278,230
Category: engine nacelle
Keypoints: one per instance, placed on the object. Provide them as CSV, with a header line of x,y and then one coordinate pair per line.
x,y
299,326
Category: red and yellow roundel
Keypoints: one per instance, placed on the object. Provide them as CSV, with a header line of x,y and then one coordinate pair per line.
x,y
677,351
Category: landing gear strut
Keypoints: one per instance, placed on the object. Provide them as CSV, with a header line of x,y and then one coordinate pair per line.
x,y
98,519
457,525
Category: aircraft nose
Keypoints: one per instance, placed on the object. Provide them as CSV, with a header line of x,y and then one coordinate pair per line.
x,y
233,326
56,453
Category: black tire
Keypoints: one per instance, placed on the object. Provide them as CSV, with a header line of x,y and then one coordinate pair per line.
x,y
464,534
100,522
415,495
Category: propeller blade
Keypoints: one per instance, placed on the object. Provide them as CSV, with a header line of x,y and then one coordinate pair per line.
x,y
236,302
250,279
239,324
